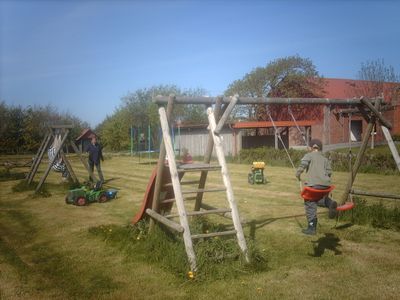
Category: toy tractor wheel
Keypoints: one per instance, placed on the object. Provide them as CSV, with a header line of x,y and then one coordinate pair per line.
x,y
81,201
250,178
103,198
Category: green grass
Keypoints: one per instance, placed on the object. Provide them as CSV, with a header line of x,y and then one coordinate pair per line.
x,y
50,250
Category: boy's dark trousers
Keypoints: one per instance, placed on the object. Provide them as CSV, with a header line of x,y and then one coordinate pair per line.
x,y
98,167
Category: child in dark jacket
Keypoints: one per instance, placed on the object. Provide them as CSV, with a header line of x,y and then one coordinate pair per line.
x,y
95,155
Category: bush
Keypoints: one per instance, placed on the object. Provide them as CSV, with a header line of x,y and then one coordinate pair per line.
x,y
376,215
271,156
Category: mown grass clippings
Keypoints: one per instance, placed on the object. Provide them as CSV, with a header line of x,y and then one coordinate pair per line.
x,y
376,215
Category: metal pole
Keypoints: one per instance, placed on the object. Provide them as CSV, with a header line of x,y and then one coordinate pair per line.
x,y
149,140
179,135
131,140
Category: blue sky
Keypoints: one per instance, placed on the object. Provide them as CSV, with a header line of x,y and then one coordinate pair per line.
x,y
83,56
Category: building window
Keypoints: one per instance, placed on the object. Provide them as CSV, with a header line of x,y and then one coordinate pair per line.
x,y
356,130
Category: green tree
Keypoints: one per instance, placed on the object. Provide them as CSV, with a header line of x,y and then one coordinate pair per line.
x,y
138,110
291,76
22,129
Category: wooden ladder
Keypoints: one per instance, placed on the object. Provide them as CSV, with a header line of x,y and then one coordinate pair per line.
x,y
183,226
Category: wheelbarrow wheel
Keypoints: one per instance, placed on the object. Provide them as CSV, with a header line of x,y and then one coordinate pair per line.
x,y
250,178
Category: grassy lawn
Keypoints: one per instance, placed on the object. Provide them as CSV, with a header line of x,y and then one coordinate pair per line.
x,y
48,249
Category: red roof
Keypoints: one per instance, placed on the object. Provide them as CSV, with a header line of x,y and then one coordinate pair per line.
x,y
349,88
86,134
265,124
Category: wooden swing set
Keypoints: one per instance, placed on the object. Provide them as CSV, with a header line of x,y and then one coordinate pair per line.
x,y
166,184
53,132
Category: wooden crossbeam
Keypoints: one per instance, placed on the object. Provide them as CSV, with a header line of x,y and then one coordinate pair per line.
x,y
202,212
254,100
204,191
375,194
170,224
213,234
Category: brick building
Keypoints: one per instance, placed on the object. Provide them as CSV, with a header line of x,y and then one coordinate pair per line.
x,y
324,122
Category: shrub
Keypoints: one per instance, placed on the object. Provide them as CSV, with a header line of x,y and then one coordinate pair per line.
x,y
375,161
376,215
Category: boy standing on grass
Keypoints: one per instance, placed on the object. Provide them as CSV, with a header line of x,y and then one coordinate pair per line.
x,y
319,172
95,154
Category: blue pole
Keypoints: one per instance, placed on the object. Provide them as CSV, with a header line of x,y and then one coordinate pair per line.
x,y
149,139
131,140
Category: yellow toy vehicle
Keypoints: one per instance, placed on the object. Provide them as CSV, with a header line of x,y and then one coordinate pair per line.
x,y
257,173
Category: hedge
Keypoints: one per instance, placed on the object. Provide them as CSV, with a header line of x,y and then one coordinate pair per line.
x,y
380,162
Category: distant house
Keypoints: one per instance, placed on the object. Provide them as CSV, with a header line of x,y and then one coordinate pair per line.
x,y
335,129
84,139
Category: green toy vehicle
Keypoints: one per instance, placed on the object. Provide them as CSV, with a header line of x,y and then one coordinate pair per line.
x,y
84,195
257,173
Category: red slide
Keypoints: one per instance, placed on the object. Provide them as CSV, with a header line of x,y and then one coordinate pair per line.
x,y
166,193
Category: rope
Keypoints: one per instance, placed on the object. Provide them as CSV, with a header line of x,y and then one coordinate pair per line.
x,y
279,137
298,128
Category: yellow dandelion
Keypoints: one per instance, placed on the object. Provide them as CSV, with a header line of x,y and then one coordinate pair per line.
x,y
191,275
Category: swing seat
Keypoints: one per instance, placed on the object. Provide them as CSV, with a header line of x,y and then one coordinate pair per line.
x,y
311,194
346,206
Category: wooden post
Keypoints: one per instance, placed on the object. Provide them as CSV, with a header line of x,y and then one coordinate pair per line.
x,y
160,167
325,133
227,182
207,158
376,112
163,220
226,114
360,155
39,157
177,189
69,167
392,146
79,153
46,173
375,194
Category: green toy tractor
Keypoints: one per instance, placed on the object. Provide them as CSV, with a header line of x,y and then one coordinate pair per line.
x,y
85,195
257,173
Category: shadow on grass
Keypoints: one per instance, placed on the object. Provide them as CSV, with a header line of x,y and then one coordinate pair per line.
x,y
257,224
6,175
344,226
148,163
111,179
328,242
